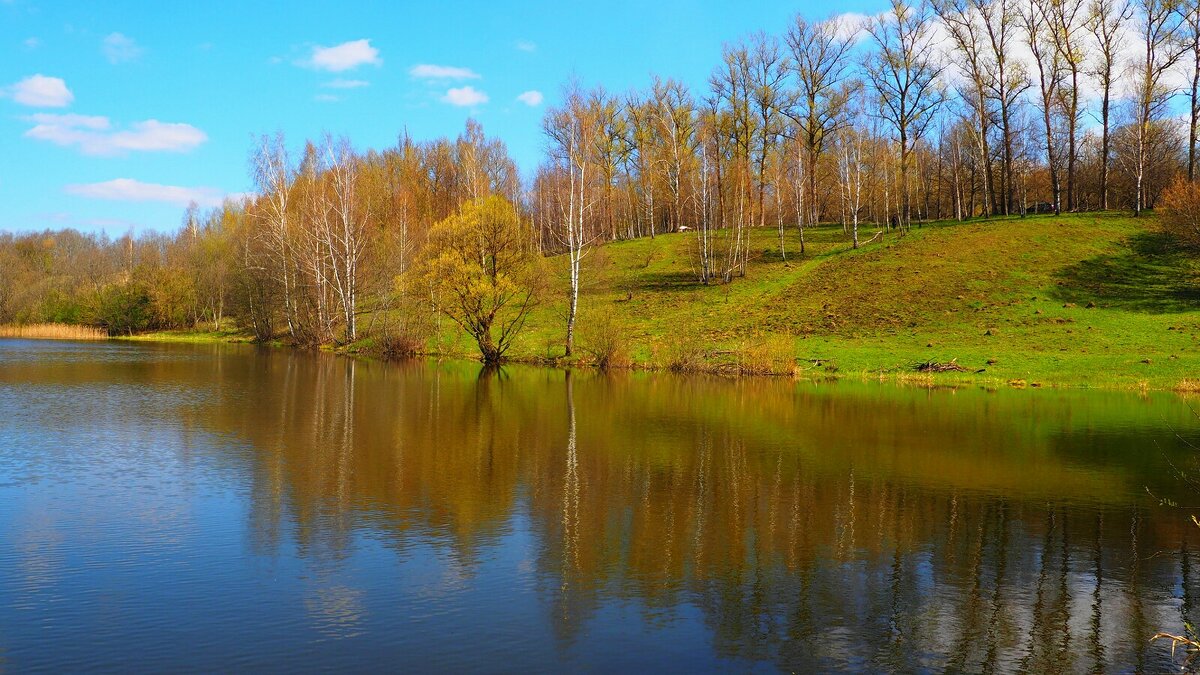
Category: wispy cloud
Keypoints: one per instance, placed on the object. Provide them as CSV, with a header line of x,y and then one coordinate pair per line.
x,y
852,25
465,97
526,46
429,71
40,91
32,43
531,98
118,48
346,56
345,84
326,98
94,135
130,190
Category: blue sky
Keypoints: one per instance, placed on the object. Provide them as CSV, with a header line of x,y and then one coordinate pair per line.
x,y
141,105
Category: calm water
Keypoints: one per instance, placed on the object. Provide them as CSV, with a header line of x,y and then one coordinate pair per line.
x,y
218,508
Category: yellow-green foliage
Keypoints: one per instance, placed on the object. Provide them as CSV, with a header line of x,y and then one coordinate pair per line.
x,y
483,274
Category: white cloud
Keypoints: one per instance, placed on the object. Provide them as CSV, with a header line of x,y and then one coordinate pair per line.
x,y
526,46
39,91
465,96
429,71
118,48
94,135
326,98
531,98
130,190
71,120
852,26
32,43
346,56
346,84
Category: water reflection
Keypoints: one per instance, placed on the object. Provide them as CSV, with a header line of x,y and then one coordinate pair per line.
x,y
808,528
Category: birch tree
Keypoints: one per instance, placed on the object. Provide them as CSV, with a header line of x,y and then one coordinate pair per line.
x,y
346,240
1163,45
272,173
572,129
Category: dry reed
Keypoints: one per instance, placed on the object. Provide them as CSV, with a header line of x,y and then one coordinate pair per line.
x,y
52,331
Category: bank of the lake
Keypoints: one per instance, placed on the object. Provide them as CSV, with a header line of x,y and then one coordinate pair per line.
x,y
1087,300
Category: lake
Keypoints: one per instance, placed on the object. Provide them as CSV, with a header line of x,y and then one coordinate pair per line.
x,y
219,508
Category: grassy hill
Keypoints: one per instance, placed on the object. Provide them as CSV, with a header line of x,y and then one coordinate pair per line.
x,y
1093,300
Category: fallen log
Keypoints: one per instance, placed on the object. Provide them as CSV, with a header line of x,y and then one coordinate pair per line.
x,y
950,366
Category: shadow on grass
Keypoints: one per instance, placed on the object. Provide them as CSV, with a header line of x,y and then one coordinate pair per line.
x,y
1152,275
666,281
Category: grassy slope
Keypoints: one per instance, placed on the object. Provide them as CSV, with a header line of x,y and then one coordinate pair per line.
x,y
1011,291
1096,300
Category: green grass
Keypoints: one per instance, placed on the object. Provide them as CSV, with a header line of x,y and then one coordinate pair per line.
x,y
1097,300
1092,300
225,335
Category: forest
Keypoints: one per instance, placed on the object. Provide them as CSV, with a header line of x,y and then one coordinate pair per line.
x,y
930,111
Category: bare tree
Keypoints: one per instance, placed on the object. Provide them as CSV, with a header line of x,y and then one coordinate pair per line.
x,y
1191,24
674,116
1064,20
572,130
1106,19
733,102
273,175
821,64
964,23
904,73
1008,81
1162,37
1049,66
346,240
768,97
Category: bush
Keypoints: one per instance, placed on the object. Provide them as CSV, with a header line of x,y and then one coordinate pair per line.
x,y
402,342
686,355
1181,212
123,308
605,342
765,355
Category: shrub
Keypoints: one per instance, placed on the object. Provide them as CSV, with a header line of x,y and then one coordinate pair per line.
x,y
686,355
1181,212
123,308
605,343
396,345
403,340
765,355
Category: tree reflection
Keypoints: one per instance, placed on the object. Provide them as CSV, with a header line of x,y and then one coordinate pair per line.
x,y
813,529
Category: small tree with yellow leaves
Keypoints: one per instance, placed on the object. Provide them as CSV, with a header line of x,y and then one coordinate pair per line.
x,y
483,273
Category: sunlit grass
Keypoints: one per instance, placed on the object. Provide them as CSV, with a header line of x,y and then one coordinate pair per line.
x,y
1099,300
192,336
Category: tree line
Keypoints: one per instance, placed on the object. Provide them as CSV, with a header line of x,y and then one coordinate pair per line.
x,y
931,110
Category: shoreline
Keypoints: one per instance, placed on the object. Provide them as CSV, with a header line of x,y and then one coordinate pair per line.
x,y
1127,381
